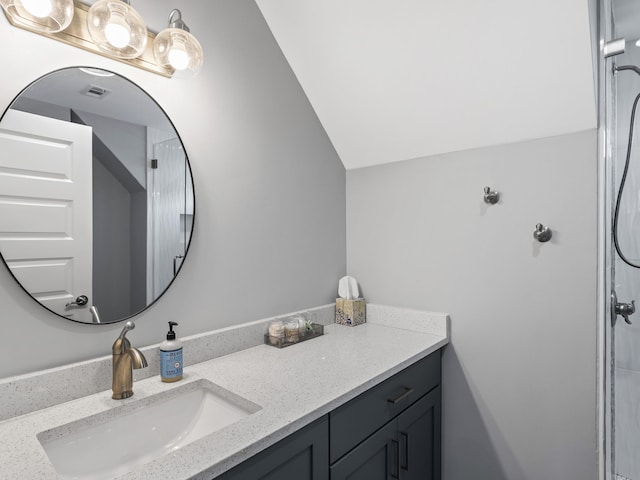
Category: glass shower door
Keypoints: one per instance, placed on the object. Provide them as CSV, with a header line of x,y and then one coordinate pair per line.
x,y
624,338
171,213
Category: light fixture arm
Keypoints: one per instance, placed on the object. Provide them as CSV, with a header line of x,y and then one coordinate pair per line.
x,y
177,22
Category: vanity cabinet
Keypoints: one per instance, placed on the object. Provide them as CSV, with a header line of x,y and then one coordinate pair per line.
x,y
391,431
407,448
301,456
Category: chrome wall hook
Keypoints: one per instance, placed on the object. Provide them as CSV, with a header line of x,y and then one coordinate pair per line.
x,y
491,197
542,233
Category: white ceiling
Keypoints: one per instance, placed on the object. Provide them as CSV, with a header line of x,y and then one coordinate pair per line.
x,y
392,80
125,101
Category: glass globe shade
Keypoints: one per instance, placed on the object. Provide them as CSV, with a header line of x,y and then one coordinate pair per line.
x,y
117,29
117,33
48,16
176,49
178,57
38,8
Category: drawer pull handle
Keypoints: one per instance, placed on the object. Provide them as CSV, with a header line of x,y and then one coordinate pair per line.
x,y
404,447
401,397
396,460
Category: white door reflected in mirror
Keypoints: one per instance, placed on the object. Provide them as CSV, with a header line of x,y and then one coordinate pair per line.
x,y
45,204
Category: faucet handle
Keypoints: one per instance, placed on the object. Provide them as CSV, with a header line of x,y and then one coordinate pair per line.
x,y
122,342
625,309
629,310
127,327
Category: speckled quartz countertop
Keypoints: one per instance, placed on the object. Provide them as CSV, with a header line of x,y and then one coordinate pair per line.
x,y
294,386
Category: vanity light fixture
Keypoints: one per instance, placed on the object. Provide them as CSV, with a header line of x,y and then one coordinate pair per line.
x,y
117,29
111,28
176,48
48,16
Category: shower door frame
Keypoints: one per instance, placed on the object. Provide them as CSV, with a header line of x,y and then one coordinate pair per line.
x,y
606,260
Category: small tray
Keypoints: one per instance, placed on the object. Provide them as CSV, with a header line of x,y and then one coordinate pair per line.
x,y
281,342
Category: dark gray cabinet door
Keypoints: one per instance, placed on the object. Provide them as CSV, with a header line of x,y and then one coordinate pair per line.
x,y
407,448
303,455
374,459
419,437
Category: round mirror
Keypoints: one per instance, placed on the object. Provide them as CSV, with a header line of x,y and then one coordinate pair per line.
x,y
96,195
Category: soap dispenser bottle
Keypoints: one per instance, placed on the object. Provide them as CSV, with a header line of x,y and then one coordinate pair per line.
x,y
171,357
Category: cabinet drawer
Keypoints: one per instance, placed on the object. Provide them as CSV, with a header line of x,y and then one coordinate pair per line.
x,y
354,421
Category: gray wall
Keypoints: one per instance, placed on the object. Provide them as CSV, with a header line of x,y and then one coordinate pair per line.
x,y
519,378
45,109
270,218
112,270
126,141
119,216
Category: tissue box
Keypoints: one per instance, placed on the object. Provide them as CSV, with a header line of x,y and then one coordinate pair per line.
x,y
350,312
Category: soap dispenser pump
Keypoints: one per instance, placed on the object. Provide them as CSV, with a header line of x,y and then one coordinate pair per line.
x,y
171,357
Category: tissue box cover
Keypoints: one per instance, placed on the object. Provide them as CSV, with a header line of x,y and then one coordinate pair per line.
x,y
350,312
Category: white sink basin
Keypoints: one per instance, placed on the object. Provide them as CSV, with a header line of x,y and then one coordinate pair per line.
x,y
117,441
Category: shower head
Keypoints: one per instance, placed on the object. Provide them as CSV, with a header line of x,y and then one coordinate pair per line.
x,y
626,67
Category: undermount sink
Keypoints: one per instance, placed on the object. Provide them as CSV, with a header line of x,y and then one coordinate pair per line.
x,y
117,441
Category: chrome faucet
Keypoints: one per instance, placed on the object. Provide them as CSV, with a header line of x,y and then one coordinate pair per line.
x,y
125,359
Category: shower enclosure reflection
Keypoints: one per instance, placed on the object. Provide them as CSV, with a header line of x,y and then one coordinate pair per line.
x,y
171,213
118,232
623,171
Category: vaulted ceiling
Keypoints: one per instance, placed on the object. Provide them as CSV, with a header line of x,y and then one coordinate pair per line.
x,y
392,80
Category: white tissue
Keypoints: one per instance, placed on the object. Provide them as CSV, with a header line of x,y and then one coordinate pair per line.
x,y
348,288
